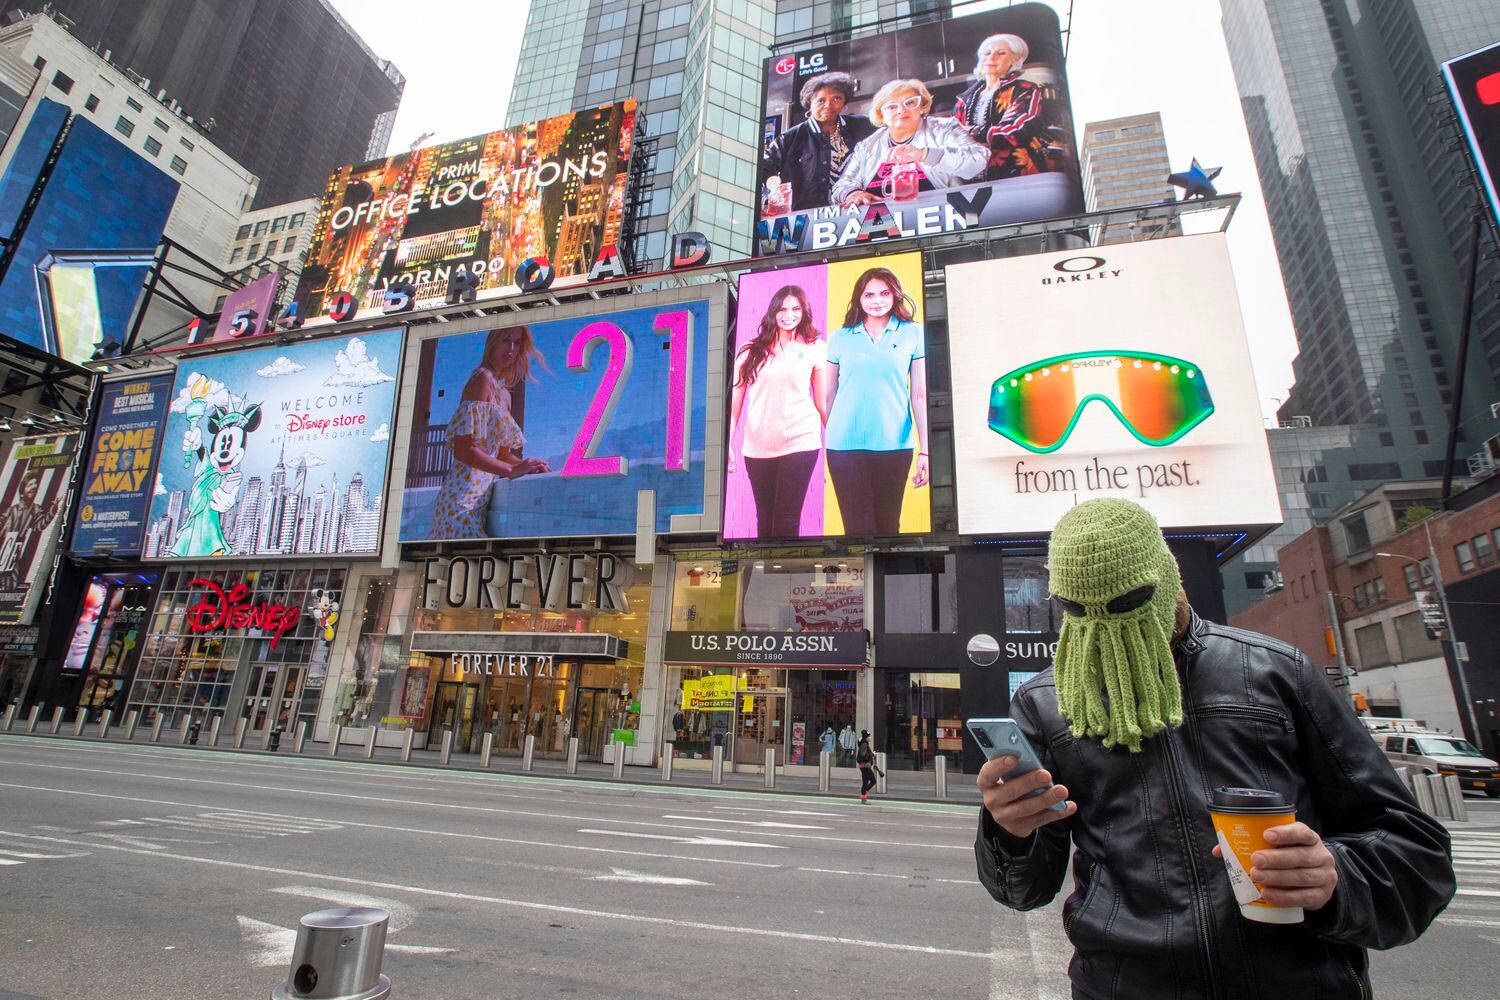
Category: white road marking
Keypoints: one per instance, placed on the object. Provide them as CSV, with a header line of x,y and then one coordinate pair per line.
x,y
765,823
695,841
1468,921
266,944
924,878
407,829
1494,893
779,812
272,944
645,878
1048,944
636,919
7,862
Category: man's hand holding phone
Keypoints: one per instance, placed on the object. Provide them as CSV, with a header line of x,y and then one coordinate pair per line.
x,y
1008,802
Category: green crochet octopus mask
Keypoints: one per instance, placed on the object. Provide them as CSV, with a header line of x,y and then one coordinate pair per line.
x,y
1117,582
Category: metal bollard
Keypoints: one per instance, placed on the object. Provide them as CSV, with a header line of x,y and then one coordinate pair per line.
x,y
528,751
57,719
880,773
335,736
406,744
32,717
10,716
486,750
338,956
1456,807
79,721
572,755
156,725
104,721
300,738
240,729
667,750
619,759
370,735
187,723
940,775
132,719
213,729
446,751
718,766
825,769
1423,793
770,767
265,743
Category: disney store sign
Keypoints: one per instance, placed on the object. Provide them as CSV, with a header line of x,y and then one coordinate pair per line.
x,y
219,609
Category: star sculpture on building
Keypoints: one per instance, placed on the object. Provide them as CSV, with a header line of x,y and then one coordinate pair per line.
x,y
1196,182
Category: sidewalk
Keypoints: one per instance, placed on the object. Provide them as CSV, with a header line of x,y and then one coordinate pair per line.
x,y
901,786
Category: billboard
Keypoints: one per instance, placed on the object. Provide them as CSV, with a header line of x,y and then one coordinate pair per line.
x,y
929,129
1122,371
66,307
552,189
1474,85
33,487
247,312
551,429
119,471
278,451
828,403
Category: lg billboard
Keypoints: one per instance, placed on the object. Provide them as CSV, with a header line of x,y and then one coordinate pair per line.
x,y
1132,379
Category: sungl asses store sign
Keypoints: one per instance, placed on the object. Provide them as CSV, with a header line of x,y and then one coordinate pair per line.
x,y
783,649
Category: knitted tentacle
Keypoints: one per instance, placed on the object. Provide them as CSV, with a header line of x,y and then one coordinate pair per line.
x,y
1125,726
1160,645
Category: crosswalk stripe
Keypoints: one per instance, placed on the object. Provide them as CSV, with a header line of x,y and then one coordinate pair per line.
x,y
8,861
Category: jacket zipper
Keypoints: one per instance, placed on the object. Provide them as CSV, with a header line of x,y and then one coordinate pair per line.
x,y
1255,711
1353,975
1072,918
1200,906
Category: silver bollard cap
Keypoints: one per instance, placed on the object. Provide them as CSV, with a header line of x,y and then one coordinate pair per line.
x,y
337,956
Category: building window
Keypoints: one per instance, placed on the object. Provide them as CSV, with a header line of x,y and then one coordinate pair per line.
x,y
261,227
1414,582
921,594
185,143
1370,641
62,82
92,104
1465,554
1028,607
124,126
1356,531
179,165
278,224
243,233
1484,552
39,63
254,252
133,104
234,255
289,245
152,146
297,220
159,124
1412,637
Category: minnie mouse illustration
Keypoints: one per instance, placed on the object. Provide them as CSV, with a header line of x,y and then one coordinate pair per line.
x,y
216,483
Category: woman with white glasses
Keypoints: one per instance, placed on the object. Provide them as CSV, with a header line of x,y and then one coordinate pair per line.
x,y
910,152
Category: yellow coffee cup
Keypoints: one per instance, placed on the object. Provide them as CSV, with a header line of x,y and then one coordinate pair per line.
x,y
1241,818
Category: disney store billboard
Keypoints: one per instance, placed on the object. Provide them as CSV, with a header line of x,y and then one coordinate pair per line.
x,y
277,451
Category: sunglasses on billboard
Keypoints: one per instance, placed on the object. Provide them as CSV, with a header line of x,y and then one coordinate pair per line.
x,y
911,103
1158,398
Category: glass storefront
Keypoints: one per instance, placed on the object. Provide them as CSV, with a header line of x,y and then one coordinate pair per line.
x,y
107,638
260,674
800,711
923,719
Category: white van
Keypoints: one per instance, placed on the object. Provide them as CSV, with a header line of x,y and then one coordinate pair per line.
x,y
1431,752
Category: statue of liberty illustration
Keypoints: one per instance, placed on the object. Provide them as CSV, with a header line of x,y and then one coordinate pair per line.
x,y
216,482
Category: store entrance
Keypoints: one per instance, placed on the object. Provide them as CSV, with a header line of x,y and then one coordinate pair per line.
x,y
271,697
760,725
454,707
591,721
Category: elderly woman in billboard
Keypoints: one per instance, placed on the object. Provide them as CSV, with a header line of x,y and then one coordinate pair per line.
x,y
780,394
805,161
485,439
877,406
910,152
1006,113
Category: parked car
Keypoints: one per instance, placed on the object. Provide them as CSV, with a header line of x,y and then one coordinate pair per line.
x,y
1432,752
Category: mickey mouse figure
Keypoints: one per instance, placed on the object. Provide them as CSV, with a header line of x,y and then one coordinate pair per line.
x,y
326,610
216,483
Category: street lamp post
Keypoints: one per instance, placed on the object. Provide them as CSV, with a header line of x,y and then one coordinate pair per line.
x,y
1458,661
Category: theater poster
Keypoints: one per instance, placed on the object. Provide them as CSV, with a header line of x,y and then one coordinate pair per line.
x,y
33,489
551,189
944,126
119,470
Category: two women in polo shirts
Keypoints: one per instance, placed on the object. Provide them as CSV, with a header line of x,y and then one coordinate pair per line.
x,y
860,399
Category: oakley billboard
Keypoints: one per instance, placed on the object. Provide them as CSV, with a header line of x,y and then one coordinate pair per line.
x,y
1141,388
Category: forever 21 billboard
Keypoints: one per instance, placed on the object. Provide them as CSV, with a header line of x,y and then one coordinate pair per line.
x,y
553,428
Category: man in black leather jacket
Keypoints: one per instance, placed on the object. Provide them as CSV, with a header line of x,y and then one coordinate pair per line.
x,y
811,155
1152,914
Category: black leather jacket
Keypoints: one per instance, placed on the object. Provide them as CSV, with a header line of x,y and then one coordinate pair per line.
x,y
1152,914
801,155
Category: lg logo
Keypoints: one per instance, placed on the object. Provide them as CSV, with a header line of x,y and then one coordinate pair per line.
x,y
785,65
1075,265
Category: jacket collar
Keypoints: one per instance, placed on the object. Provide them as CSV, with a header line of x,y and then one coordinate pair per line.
x,y
1192,640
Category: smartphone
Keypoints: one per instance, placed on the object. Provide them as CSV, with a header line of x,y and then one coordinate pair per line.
x,y
1002,737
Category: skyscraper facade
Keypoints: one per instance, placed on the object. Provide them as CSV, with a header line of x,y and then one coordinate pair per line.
x,y
286,88
1368,218
1125,165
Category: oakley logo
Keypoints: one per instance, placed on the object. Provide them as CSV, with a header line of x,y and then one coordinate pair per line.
x,y
1085,268
1075,264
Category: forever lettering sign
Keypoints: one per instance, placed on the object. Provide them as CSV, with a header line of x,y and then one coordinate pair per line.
x,y
218,609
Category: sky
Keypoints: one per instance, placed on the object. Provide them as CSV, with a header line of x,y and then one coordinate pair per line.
x,y
1125,57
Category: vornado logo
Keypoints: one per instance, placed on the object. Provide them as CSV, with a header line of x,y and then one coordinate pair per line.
x,y
1085,267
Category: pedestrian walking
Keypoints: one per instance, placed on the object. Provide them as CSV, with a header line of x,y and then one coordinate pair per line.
x,y
1148,717
864,756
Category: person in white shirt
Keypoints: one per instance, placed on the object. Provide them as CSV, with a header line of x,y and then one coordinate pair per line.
x,y
780,395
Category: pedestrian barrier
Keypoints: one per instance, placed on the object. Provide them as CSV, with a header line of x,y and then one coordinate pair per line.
x,y
300,738
445,752
32,717
718,765
528,751
336,735
10,716
667,749
187,724
57,719
406,745
572,755
370,742
880,773
1457,809
770,767
337,956
486,750
131,721
825,769
156,725
240,729
619,759
79,721
214,726
940,776
104,721
1422,789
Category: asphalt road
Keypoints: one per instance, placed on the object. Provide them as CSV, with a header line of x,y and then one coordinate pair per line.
x,y
164,872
